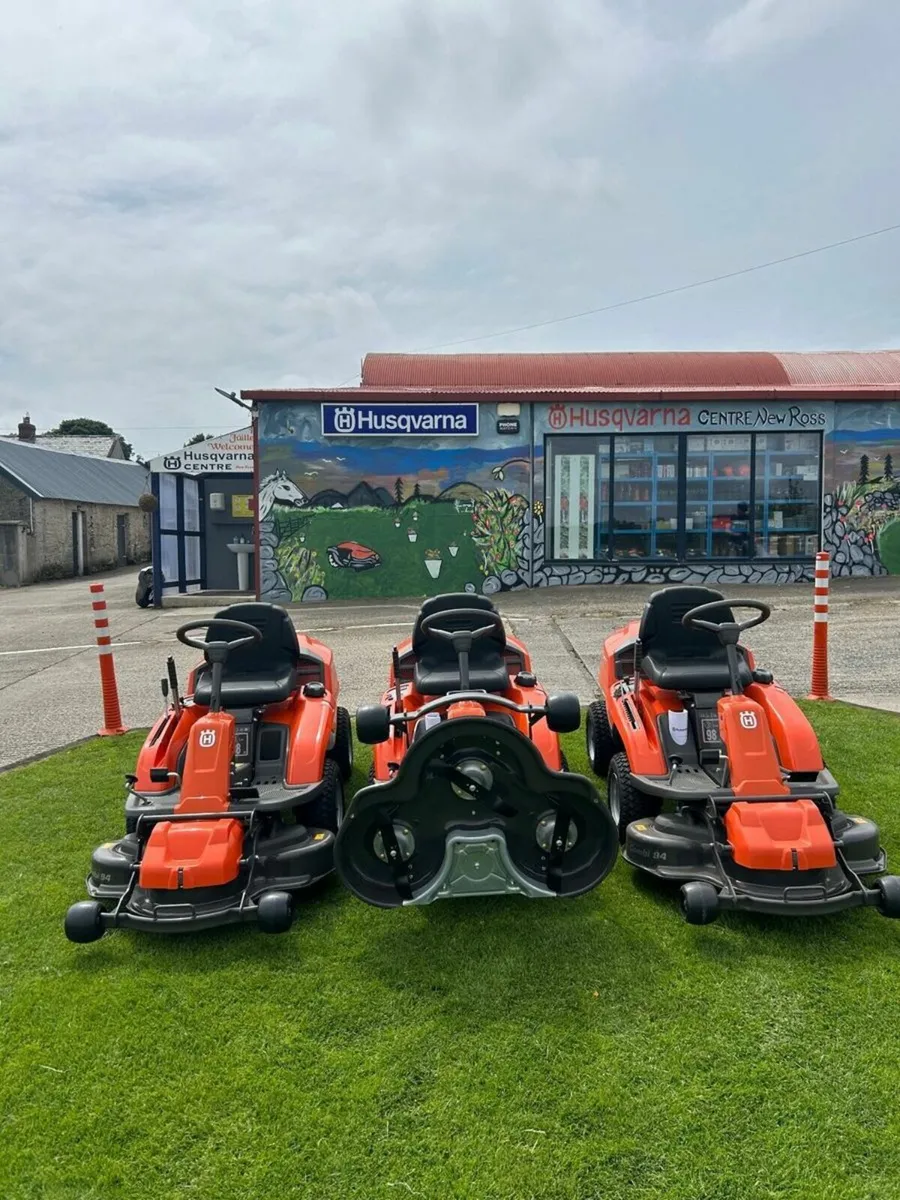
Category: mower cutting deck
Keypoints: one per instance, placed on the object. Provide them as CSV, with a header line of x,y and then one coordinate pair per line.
x,y
469,792
689,722
238,791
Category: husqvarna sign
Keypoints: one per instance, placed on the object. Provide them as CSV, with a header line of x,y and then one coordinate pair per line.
x,y
365,419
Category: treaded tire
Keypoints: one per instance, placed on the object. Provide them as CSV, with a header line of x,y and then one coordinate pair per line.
x,y
342,751
699,903
600,738
889,895
326,811
625,802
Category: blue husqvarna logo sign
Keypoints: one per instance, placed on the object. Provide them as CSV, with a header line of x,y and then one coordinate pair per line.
x,y
357,419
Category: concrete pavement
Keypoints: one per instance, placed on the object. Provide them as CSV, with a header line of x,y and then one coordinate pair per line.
x,y
49,680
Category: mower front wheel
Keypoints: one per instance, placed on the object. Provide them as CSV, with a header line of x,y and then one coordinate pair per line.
x,y
275,912
327,810
889,895
625,802
600,738
84,921
342,750
699,903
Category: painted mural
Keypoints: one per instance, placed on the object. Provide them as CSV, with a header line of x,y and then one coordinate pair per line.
x,y
862,503
342,519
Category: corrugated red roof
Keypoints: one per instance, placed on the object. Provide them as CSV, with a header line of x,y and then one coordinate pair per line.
x,y
632,371
754,375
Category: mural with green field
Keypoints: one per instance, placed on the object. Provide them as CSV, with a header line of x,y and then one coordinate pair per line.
x,y
386,518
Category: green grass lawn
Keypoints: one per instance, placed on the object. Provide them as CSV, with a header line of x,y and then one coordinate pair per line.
x,y
489,1049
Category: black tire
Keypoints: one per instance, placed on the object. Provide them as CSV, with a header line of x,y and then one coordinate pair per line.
x,y
84,921
564,762
275,912
625,802
342,750
888,895
699,903
600,738
143,597
326,811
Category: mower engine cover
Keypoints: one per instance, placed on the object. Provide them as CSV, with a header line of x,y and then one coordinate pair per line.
x,y
473,810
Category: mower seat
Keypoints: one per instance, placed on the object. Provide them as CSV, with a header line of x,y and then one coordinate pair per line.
x,y
685,660
436,670
263,673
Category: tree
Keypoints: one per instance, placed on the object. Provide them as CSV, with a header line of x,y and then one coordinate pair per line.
x,y
417,494
197,438
864,469
88,427
398,491
888,467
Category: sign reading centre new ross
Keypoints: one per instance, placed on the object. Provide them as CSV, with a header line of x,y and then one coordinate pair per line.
x,y
230,454
365,419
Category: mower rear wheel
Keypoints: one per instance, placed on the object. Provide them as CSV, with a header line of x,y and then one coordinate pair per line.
x,y
84,921
327,810
600,738
627,803
699,903
275,912
342,750
889,895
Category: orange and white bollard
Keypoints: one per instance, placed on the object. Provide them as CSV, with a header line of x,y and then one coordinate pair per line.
x,y
112,713
819,689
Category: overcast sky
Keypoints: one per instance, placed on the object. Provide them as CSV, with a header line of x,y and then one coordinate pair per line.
x,y
251,194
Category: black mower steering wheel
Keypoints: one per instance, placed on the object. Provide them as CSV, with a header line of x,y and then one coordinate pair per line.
x,y
461,635
462,640
727,632
250,632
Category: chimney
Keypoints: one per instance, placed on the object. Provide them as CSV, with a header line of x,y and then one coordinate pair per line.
x,y
27,431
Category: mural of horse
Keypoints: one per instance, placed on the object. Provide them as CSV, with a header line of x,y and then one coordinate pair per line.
x,y
279,489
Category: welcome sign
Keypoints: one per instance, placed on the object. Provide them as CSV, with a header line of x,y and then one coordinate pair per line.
x,y
365,419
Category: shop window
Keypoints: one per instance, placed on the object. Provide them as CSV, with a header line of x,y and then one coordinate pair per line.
x,y
644,521
684,496
787,504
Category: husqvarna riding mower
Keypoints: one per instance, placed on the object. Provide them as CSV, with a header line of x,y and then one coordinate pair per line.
x,y
690,725
469,792
238,791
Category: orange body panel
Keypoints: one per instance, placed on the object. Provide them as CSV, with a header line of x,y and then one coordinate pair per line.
x,y
753,763
192,854
206,782
780,836
465,708
798,747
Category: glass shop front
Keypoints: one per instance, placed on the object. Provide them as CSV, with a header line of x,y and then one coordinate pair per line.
x,y
707,493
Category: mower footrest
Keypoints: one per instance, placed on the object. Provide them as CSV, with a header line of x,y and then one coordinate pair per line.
x,y
192,854
789,835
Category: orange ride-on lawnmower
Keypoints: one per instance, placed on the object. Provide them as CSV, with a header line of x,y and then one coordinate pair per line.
x,y
470,794
689,723
238,791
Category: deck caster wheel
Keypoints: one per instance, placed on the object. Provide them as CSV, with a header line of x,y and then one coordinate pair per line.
x,y
84,921
699,903
275,912
888,895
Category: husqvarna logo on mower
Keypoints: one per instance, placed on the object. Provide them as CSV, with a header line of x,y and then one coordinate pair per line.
x,y
207,738
748,720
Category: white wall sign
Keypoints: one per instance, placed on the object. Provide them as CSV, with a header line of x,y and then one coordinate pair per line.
x,y
230,454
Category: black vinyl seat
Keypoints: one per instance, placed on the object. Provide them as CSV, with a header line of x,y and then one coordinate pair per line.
x,y
436,670
262,673
680,659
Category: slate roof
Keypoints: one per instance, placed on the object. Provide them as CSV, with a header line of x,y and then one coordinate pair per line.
x,y
96,446
54,475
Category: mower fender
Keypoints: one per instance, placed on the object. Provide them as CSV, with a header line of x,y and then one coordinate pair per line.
x,y
798,747
310,734
163,748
